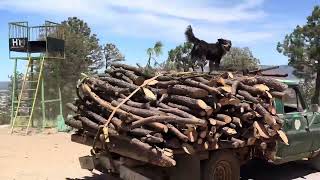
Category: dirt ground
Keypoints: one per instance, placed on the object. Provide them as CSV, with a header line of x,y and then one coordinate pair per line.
x,y
52,156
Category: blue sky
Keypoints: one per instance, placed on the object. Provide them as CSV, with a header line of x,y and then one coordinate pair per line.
x,y
135,25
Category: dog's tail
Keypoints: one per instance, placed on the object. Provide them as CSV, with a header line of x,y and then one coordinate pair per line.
x,y
190,36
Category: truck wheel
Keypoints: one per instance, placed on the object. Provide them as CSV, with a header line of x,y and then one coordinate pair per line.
x,y
315,162
222,165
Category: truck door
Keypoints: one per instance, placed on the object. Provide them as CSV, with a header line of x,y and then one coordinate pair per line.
x,y
296,125
314,127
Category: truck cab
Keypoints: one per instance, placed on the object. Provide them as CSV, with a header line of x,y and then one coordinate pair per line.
x,y
301,125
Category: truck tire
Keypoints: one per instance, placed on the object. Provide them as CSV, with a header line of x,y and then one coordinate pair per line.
x,y
222,165
315,162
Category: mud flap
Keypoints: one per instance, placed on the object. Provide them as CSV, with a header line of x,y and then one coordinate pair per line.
x,y
128,174
86,162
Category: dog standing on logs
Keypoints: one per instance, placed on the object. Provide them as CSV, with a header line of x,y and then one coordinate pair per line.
x,y
203,51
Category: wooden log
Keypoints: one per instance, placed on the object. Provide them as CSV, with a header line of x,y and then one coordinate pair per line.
x,y
216,122
251,141
152,139
248,116
232,125
119,83
267,116
260,131
225,89
176,111
198,112
129,116
277,94
261,87
137,111
173,143
121,76
228,131
107,105
203,134
191,103
102,85
177,132
187,90
241,142
188,148
87,122
149,95
250,89
158,127
138,150
210,89
249,80
229,101
155,156
200,141
202,80
134,104
138,80
72,107
248,96
223,117
244,107
140,132
239,97
136,70
237,121
234,87
213,129
70,121
283,137
158,91
192,134
272,83
178,120
166,84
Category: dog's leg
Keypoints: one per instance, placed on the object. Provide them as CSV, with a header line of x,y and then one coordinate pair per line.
x,y
211,66
203,62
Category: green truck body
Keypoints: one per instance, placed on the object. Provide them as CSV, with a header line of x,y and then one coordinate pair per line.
x,y
301,125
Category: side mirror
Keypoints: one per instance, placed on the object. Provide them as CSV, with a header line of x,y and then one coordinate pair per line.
x,y
314,108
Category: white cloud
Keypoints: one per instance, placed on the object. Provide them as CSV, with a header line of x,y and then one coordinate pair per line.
x,y
156,19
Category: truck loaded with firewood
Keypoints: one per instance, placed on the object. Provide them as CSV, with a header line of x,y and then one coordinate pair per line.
x,y
170,125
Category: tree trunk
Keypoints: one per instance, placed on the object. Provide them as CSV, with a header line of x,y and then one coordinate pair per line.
x,y
315,98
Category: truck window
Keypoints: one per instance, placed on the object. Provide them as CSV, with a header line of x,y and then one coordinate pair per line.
x,y
291,101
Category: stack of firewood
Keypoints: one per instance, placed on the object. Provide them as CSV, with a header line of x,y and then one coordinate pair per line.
x,y
176,112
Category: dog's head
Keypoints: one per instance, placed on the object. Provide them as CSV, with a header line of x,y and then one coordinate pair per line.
x,y
225,44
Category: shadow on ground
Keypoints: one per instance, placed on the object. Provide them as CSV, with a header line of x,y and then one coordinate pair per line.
x,y
94,177
263,171
256,170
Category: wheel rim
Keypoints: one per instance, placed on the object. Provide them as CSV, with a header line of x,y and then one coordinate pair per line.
x,y
222,171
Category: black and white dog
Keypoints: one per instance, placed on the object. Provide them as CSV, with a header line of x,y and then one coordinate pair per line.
x,y
203,51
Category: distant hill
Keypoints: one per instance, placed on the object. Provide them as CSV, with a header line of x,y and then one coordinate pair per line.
x,y
4,85
283,69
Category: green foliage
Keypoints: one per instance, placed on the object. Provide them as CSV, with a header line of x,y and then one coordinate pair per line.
x,y
302,47
240,59
111,54
179,58
153,53
83,55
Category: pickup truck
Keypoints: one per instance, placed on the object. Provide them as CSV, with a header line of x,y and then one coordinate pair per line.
x,y
301,125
